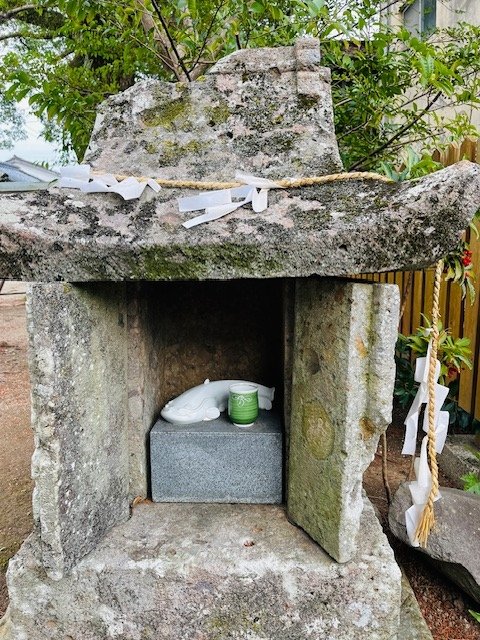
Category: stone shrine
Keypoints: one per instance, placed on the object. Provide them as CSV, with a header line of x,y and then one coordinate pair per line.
x,y
129,309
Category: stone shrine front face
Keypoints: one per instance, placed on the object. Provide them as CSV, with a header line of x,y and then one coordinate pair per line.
x,y
130,309
110,357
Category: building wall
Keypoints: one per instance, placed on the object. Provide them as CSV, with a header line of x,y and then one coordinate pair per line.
x,y
448,14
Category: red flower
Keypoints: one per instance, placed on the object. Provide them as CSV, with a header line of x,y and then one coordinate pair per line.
x,y
466,258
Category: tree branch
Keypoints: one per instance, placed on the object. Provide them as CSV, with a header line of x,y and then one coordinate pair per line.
x,y
207,35
170,39
7,15
166,62
359,164
22,34
8,36
350,131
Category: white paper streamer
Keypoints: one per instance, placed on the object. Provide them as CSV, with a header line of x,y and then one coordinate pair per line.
x,y
216,204
420,488
219,203
79,177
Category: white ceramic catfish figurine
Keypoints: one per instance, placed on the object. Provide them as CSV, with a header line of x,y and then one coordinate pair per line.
x,y
208,400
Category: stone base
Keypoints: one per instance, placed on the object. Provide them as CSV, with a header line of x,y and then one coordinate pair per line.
x,y
412,623
209,572
458,458
215,461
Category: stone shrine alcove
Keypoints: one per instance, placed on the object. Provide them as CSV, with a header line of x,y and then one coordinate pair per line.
x,y
129,308
220,331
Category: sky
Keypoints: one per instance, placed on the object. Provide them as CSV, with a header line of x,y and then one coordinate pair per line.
x,y
34,148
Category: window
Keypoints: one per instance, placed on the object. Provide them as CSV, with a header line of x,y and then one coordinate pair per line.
x,y
420,16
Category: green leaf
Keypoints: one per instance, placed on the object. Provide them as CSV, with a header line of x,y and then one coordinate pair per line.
x,y
474,614
471,483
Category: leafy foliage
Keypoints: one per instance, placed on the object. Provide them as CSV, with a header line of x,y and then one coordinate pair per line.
x,y
471,481
412,165
11,123
453,354
389,86
475,614
458,268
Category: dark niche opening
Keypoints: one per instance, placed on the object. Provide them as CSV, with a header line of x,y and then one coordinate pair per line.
x,y
220,331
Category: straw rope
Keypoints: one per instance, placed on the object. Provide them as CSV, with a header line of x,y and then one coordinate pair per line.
x,y
428,517
288,183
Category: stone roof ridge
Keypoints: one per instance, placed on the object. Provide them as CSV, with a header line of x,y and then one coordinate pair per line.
x,y
266,112
304,55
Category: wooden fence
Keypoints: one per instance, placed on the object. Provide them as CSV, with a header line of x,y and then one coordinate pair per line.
x,y
462,318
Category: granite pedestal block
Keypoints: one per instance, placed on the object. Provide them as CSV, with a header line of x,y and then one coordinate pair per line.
x,y
217,462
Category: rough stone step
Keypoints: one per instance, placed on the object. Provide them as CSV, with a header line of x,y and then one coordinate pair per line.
x,y
207,572
412,623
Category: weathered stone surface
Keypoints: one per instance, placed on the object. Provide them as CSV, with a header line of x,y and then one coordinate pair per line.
x,y
191,572
215,461
343,376
412,623
454,542
144,378
333,229
251,112
458,457
78,362
267,112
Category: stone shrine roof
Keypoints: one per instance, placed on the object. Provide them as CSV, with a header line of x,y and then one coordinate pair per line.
x,y
266,112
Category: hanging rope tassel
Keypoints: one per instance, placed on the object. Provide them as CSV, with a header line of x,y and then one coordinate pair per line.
x,y
427,520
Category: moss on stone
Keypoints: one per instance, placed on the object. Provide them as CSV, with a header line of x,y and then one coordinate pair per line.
x,y
172,152
169,115
223,625
307,102
218,114
195,263
151,147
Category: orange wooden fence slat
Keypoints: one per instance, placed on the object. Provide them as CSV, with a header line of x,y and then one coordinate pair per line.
x,y
417,293
407,315
466,397
443,303
428,295
454,320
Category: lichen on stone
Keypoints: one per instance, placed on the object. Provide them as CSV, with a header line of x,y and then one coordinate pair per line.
x,y
196,262
218,114
171,115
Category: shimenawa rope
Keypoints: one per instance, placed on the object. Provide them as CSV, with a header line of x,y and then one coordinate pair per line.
x,y
287,183
428,517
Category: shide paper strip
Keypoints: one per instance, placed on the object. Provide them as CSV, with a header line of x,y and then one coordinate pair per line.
x,y
216,204
421,486
219,203
80,177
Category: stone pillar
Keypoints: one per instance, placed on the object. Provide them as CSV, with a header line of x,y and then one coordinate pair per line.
x,y
78,361
342,388
145,379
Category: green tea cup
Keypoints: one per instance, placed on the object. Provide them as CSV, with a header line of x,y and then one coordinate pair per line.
x,y
243,404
